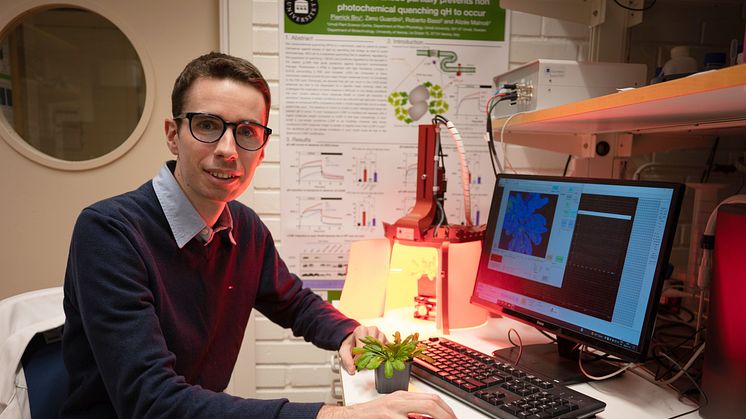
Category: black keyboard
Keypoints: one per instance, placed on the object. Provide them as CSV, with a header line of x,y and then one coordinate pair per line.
x,y
499,389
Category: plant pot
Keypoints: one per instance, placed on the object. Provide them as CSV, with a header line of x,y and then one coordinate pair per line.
x,y
399,381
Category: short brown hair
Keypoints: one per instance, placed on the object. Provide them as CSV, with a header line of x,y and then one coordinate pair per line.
x,y
217,65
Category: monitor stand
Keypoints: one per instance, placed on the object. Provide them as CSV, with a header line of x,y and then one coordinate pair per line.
x,y
558,361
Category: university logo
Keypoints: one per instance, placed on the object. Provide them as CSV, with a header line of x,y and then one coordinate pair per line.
x,y
301,11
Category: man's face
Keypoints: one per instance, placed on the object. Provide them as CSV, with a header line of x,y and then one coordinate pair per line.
x,y
212,174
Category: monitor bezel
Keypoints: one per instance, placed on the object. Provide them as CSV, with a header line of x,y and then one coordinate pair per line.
x,y
552,326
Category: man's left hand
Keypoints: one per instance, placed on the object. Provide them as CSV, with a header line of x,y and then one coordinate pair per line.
x,y
353,340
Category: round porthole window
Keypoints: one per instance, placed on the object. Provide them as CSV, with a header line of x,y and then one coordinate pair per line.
x,y
72,88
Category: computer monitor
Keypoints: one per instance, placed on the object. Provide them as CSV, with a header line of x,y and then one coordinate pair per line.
x,y
583,259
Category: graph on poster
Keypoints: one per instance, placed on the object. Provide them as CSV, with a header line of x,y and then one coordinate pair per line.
x,y
320,213
321,168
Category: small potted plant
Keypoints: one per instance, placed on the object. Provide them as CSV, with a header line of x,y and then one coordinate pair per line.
x,y
392,361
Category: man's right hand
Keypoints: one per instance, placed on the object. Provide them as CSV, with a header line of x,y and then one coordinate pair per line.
x,y
395,405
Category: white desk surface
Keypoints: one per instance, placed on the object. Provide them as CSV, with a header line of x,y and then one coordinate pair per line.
x,y
628,396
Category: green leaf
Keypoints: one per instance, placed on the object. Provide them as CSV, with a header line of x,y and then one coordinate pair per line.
x,y
393,353
373,347
363,360
374,363
370,340
388,369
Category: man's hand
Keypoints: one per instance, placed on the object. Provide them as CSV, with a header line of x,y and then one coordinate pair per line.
x,y
353,340
399,404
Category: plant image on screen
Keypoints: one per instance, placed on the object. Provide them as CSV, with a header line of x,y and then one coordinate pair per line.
x,y
527,219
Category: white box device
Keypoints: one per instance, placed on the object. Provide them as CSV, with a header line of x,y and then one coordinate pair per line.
x,y
546,83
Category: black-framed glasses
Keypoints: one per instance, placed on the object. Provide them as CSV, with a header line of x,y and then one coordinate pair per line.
x,y
209,128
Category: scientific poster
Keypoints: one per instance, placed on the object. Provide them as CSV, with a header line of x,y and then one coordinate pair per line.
x,y
357,78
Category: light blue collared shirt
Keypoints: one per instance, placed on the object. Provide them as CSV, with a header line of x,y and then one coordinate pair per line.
x,y
184,220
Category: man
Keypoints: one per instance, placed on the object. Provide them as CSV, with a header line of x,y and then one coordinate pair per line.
x,y
161,280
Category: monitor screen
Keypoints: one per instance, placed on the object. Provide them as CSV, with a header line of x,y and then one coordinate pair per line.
x,y
581,258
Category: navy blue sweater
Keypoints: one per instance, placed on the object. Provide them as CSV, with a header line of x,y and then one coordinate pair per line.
x,y
153,331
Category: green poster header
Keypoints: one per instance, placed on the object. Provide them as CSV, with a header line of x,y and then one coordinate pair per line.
x,y
475,20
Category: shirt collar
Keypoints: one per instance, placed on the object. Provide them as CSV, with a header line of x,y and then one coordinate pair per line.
x,y
184,220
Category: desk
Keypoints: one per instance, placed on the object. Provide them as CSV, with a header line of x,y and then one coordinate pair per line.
x,y
628,396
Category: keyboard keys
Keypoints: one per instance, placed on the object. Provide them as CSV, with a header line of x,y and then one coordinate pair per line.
x,y
493,380
427,365
558,410
522,391
510,408
468,387
475,383
502,389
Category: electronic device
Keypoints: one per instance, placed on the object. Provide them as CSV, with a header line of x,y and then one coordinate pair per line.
x,y
426,263
498,389
432,261
545,83
724,367
583,259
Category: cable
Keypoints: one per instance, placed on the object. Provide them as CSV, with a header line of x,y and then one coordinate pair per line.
x,y
440,119
632,9
602,357
494,160
438,154
520,344
704,273
687,412
490,106
490,147
685,338
567,165
465,174
548,336
583,349
502,142
493,153
683,370
510,96
647,375
442,218
490,150
710,161
741,167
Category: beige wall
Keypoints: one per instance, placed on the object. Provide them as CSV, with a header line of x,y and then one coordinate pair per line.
x,y
39,205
